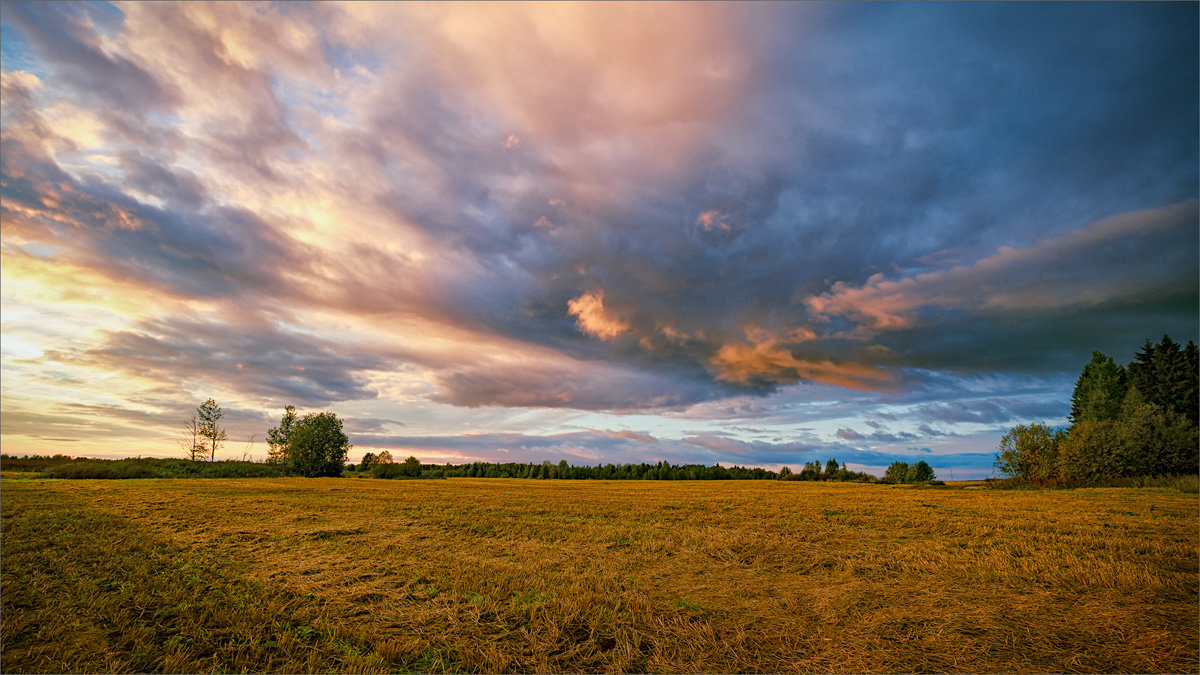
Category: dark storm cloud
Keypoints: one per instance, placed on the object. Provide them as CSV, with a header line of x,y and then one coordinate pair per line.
x,y
578,384
259,362
924,149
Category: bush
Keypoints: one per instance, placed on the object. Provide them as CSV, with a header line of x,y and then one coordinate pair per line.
x,y
1029,452
1095,451
920,472
1161,441
100,469
317,446
147,467
389,471
897,472
811,471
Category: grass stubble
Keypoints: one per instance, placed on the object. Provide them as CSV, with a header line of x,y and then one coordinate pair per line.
x,y
494,575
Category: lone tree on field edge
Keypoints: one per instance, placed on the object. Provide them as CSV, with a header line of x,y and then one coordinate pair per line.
x,y
209,416
317,446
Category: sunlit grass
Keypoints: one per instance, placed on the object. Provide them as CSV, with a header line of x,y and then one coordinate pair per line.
x,y
480,575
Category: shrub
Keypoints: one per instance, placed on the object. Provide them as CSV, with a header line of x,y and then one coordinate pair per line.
x,y
102,469
897,472
1029,452
920,472
388,471
1096,450
412,467
147,467
811,471
1161,441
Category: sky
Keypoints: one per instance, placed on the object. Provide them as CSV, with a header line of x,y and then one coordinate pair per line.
x,y
752,234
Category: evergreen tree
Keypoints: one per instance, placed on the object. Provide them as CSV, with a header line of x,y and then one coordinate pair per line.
x,y
1167,376
1099,391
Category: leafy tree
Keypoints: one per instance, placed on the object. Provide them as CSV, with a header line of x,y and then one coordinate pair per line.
x,y
384,457
190,439
368,461
278,437
1099,391
1095,450
318,446
920,472
784,472
811,471
1029,451
897,472
412,467
831,469
209,419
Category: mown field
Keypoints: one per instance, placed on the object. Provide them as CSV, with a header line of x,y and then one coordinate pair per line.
x,y
486,575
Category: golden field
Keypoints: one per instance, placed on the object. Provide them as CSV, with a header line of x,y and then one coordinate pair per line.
x,y
505,575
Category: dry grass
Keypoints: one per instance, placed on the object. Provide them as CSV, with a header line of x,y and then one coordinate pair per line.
x,y
479,575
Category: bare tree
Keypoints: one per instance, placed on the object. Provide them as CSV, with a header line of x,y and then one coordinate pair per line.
x,y
190,439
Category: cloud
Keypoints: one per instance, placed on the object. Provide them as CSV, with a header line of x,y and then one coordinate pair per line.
x,y
271,365
1099,264
714,220
594,319
557,382
68,40
797,214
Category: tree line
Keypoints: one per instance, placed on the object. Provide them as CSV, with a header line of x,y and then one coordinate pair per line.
x,y
1138,419
897,472
413,468
315,445
382,466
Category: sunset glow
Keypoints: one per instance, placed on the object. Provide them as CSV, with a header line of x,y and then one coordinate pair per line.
x,y
755,234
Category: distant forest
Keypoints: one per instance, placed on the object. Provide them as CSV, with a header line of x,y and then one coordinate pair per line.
x,y
381,466
564,471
